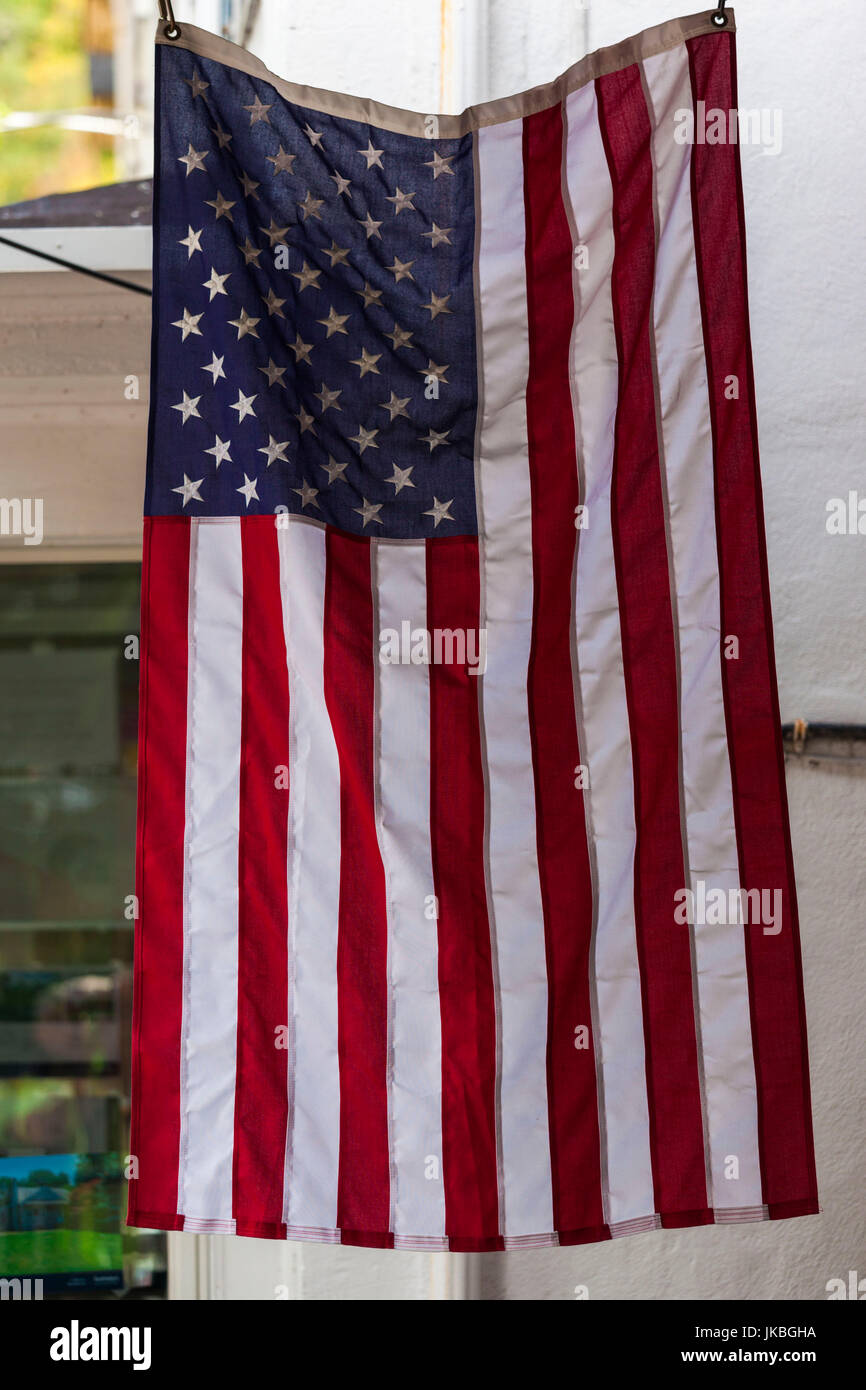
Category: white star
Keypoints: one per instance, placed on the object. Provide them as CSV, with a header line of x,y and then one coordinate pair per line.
x,y
439,511
216,282
400,337
191,242
275,234
250,186
274,373
311,205
248,490
196,84
434,438
243,405
215,368
400,478
245,324
334,470
306,421
439,234
259,111
188,324
273,304
438,304
220,450
221,206
193,159
365,439
371,226
190,490
314,136
401,270
307,277
343,185
187,407
372,156
249,252
281,161
337,254
328,398
301,349
275,450
307,494
334,323
396,406
369,511
366,362
369,295
223,136
433,370
401,201
440,164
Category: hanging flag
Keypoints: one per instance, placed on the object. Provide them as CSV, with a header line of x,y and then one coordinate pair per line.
x,y
467,911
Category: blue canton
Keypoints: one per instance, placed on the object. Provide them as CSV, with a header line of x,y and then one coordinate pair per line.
x,y
314,317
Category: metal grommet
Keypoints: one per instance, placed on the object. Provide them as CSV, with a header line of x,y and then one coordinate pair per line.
x,y
166,14
720,19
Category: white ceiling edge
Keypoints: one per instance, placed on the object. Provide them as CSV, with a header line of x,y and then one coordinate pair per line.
x,y
99,248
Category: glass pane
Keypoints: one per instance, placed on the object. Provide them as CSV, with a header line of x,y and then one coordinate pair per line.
x,y
68,715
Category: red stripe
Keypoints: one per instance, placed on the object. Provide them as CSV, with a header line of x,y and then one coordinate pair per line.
x,y
261,1104
466,997
563,854
749,683
158,985
363,1199
649,656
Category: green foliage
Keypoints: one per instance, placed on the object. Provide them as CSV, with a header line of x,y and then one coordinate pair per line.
x,y
46,1177
33,1253
44,67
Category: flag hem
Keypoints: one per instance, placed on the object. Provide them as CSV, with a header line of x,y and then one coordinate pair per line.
x,y
381,1240
429,126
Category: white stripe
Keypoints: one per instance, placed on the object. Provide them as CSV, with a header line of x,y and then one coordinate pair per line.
x,y
606,745
723,989
209,1029
313,1142
506,559
413,950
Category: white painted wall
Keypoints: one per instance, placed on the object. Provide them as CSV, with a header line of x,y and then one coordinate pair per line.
x,y
805,213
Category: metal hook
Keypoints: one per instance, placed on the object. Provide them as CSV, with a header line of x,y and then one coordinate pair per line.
x,y
167,13
719,18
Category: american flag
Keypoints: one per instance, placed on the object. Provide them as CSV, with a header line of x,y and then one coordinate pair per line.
x,y
457,671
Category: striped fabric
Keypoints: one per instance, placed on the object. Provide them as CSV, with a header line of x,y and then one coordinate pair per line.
x,y
409,970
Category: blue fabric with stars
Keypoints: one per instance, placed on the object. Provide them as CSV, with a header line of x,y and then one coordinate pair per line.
x,y
314,319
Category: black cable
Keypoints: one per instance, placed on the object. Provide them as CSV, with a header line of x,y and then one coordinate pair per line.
x,y
81,269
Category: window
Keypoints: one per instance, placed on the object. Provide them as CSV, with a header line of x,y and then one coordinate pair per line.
x,y
68,713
